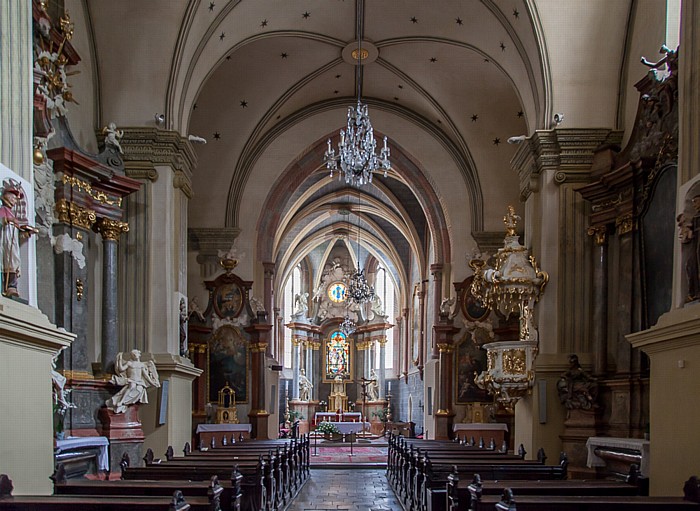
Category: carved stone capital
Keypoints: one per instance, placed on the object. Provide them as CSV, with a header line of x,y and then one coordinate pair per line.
x,y
444,347
146,148
568,152
69,213
599,233
208,241
382,341
111,229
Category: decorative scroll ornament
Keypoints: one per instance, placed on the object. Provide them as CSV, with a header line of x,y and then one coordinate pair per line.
x,y
514,284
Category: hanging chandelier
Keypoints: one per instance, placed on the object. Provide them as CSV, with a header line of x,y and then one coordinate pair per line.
x,y
357,157
359,291
348,326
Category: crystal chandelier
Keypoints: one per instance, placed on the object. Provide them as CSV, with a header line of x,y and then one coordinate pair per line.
x,y
359,291
357,156
348,326
357,149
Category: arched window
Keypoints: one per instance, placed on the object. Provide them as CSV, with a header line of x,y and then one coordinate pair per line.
x,y
291,288
384,288
673,23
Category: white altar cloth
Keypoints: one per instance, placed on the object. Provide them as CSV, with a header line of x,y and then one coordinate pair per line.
x,y
480,426
346,428
76,442
636,444
223,428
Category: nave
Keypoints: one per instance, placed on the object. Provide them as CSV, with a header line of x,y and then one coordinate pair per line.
x,y
346,489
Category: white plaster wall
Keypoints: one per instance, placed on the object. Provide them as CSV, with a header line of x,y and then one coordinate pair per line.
x,y
82,116
585,42
646,35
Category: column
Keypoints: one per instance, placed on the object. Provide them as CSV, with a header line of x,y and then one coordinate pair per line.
x,y
381,372
110,231
296,364
308,352
259,335
600,299
268,291
406,343
444,414
436,270
421,338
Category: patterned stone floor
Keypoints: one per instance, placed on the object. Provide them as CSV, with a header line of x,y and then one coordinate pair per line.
x,y
346,490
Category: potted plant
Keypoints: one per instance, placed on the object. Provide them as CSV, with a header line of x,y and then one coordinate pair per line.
x,y
330,431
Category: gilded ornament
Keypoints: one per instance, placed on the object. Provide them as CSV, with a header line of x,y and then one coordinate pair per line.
x,y
514,361
624,224
444,347
79,288
258,347
97,195
71,214
599,233
112,229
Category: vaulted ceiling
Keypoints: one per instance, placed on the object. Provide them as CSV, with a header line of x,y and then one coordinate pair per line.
x,y
266,83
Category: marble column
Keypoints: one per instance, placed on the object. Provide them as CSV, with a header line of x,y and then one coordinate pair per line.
x,y
110,231
689,93
421,338
599,329
296,365
258,415
444,413
436,270
406,343
381,372
308,352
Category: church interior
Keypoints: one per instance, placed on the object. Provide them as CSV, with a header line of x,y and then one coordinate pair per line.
x,y
236,221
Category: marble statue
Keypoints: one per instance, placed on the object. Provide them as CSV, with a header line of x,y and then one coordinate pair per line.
x,y
577,389
194,308
256,305
377,307
372,391
10,230
60,394
135,377
305,387
301,302
113,136
446,307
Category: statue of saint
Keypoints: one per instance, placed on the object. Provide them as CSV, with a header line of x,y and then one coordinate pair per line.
x,y
184,316
372,391
301,302
135,377
577,389
305,387
10,229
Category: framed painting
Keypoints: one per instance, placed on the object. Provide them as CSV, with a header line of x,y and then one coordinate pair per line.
x,y
228,300
470,360
228,363
472,308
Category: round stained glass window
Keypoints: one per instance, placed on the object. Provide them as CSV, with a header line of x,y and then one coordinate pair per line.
x,y
336,292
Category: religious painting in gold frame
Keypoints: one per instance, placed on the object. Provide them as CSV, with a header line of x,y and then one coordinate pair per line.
x,y
228,363
471,306
337,356
470,360
228,300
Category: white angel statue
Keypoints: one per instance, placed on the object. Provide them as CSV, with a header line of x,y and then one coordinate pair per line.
x,y
135,377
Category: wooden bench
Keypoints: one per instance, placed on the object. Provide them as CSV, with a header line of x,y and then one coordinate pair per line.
x,y
176,502
509,502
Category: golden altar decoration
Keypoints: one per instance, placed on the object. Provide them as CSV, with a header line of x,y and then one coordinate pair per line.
x,y
226,411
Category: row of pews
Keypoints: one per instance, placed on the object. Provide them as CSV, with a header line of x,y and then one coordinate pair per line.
x,y
256,475
431,475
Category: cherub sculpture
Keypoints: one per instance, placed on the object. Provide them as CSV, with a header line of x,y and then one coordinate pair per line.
x,y
113,136
135,377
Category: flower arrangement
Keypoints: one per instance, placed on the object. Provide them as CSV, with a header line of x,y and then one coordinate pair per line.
x,y
327,427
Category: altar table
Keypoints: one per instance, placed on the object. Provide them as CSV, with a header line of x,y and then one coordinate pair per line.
x,y
486,430
332,416
207,431
73,443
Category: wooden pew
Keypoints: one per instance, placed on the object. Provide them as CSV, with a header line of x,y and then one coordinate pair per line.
x,y
508,502
176,502
464,494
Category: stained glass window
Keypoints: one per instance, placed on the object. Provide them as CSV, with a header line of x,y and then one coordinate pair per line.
x,y
336,292
337,355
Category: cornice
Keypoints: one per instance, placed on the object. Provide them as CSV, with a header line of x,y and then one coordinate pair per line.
x,y
568,152
489,241
173,364
677,329
208,240
145,148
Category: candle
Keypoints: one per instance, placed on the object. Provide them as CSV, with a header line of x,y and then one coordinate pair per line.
x,y
389,386
329,145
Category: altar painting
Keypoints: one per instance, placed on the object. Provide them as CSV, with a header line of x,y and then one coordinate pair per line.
x,y
337,356
470,361
228,363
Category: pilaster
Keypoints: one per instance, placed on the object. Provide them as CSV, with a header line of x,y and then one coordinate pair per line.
x,y
167,418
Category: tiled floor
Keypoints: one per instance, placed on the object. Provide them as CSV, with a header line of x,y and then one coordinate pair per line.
x,y
346,490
